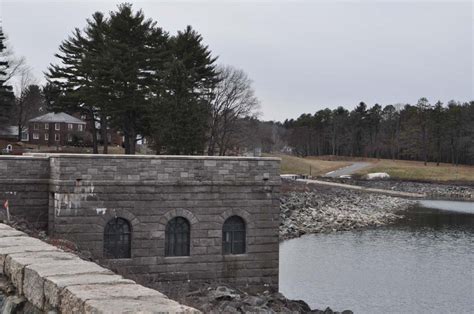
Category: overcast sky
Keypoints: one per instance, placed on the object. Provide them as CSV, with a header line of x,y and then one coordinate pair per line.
x,y
302,55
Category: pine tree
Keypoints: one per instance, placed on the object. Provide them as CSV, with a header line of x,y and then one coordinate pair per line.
x,y
6,91
78,82
185,109
136,50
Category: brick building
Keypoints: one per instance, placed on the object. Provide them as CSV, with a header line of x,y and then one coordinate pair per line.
x,y
56,129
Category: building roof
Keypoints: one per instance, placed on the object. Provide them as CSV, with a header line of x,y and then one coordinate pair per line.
x,y
57,118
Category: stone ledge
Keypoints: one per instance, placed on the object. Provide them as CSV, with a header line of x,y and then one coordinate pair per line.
x,y
52,279
174,183
168,157
24,157
24,181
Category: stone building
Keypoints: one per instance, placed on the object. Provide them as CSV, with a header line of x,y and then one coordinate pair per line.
x,y
157,219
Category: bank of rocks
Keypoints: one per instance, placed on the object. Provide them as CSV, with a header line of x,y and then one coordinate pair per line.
x,y
226,299
316,209
431,190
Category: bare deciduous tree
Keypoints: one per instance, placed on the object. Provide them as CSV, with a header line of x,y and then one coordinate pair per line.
x,y
233,99
15,64
28,101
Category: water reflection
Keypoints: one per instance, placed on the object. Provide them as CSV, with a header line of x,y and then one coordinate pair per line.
x,y
424,264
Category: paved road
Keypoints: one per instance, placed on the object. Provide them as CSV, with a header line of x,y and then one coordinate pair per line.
x,y
356,166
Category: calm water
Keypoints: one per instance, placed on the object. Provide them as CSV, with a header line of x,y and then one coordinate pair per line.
x,y
425,264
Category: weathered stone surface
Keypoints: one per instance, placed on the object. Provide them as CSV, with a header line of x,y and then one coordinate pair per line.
x,y
73,297
35,274
53,285
18,241
16,263
24,183
11,233
51,279
40,247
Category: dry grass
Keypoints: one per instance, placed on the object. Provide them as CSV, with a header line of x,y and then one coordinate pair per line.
x,y
397,169
308,166
416,170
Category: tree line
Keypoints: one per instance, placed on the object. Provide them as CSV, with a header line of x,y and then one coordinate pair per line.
x,y
123,71
426,132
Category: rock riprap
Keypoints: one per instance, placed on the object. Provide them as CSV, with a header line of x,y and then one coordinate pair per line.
x,y
317,209
226,299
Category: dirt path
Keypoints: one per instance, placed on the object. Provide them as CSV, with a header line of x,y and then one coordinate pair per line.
x,y
356,166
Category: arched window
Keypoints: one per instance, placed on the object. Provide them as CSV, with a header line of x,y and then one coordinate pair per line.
x,y
117,239
233,236
177,237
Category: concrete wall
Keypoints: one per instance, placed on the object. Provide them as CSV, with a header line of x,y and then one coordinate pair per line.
x,y
149,191
52,279
86,191
24,182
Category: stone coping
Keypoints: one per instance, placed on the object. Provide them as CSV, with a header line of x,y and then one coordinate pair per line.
x,y
52,279
24,157
172,157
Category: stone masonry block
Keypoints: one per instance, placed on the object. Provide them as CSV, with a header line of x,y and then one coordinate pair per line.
x,y
35,274
16,263
53,285
74,297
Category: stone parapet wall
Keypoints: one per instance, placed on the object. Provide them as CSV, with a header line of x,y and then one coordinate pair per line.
x,y
52,279
79,194
24,182
149,191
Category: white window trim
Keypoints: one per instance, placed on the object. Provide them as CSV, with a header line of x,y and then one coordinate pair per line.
x,y
36,136
46,126
46,136
70,126
57,126
69,138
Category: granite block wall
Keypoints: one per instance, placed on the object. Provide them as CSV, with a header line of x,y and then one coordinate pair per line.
x,y
24,182
89,190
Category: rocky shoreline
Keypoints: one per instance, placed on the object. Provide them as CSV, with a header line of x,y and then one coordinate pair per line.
x,y
457,191
306,208
226,299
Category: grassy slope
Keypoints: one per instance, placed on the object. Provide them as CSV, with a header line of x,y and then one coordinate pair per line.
x,y
416,170
297,165
397,169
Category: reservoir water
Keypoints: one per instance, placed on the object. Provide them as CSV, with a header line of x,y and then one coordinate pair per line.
x,y
423,264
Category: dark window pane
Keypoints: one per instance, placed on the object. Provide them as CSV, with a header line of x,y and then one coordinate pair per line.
x,y
117,239
177,237
233,236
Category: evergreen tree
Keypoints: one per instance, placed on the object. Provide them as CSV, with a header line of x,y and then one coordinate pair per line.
x,y
6,91
185,109
72,82
137,53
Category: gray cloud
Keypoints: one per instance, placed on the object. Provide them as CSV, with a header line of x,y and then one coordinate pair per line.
x,y
302,56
